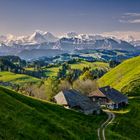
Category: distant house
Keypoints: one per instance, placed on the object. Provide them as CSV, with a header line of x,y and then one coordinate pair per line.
x,y
75,100
110,97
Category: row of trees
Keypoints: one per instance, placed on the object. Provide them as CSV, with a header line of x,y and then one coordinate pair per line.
x,y
46,90
66,73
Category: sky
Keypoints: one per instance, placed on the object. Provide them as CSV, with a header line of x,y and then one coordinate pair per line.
x,y
22,17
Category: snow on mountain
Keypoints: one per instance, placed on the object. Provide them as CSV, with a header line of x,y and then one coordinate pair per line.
x,y
41,37
72,35
37,37
84,36
91,37
136,43
116,39
3,38
69,42
49,37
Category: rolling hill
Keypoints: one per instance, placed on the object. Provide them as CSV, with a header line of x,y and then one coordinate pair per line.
x,y
17,78
125,77
80,65
22,117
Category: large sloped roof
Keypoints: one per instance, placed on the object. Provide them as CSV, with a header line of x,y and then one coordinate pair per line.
x,y
73,98
96,93
113,94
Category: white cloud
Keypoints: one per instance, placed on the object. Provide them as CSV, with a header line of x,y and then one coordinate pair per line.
x,y
133,18
132,14
134,21
130,21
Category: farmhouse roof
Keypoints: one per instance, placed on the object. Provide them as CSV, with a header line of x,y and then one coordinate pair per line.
x,y
97,93
73,98
110,93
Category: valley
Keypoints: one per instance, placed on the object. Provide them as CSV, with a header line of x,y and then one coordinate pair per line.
x,y
34,94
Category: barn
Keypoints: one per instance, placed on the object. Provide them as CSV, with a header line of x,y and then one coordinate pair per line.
x,y
75,100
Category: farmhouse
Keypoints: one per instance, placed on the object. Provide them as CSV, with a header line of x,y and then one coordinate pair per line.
x,y
75,100
110,97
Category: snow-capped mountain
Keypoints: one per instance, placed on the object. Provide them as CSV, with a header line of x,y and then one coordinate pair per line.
x,y
72,35
41,37
84,36
37,37
3,38
40,40
136,43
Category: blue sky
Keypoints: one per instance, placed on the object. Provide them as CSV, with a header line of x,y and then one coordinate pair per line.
x,y
21,17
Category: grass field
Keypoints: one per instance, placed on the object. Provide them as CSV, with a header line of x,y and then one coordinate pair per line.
x,y
125,77
127,123
25,118
17,78
94,65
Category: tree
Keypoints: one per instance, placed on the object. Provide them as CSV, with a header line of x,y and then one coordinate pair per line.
x,y
52,87
63,71
72,75
35,90
64,85
113,63
85,86
86,75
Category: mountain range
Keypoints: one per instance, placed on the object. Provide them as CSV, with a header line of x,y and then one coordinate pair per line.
x,y
41,41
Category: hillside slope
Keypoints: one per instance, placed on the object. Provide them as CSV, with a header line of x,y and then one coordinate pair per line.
x,y
93,65
125,77
6,76
23,118
126,125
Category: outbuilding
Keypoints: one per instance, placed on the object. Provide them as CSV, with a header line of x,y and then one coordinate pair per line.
x,y
112,98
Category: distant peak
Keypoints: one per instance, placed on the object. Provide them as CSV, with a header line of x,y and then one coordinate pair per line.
x,y
39,31
72,34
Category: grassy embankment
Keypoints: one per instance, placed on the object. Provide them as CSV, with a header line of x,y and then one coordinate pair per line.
x,y
23,118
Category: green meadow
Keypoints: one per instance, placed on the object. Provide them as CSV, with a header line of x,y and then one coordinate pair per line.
x,y
126,125
93,65
26,118
125,77
17,78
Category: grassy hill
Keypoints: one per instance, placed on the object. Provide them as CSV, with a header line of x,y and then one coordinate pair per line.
x,y
125,77
17,78
23,118
126,125
94,65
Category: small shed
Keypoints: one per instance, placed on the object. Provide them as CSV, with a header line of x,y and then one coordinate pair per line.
x,y
110,97
75,100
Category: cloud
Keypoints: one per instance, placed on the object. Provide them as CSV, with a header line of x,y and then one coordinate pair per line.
x,y
132,18
130,21
134,21
132,14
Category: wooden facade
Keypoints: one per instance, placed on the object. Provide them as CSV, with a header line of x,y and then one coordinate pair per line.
x,y
109,97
